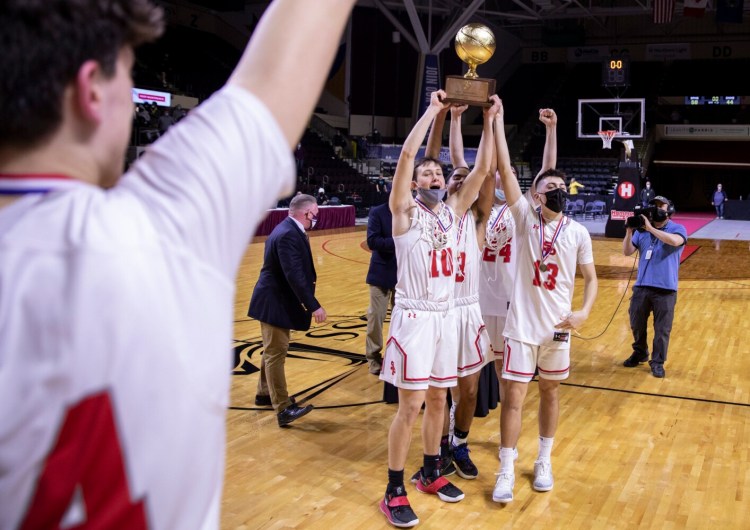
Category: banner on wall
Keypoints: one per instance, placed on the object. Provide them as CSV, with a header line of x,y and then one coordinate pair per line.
x,y
430,82
142,95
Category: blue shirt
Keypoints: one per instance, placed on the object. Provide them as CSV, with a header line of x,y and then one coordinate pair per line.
x,y
661,270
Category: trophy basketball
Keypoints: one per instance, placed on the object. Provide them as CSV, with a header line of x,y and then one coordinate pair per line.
x,y
475,44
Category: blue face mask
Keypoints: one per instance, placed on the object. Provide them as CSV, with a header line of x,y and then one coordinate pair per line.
x,y
431,197
500,195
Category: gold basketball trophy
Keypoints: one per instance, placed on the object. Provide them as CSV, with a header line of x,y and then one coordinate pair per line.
x,y
475,44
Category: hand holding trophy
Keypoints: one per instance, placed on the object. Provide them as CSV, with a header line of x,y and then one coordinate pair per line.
x,y
475,45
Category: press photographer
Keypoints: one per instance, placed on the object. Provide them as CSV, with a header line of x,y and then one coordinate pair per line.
x,y
659,242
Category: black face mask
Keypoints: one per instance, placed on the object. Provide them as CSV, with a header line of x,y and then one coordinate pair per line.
x,y
555,200
660,215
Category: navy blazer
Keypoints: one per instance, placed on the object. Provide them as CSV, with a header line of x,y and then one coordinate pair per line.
x,y
382,272
285,293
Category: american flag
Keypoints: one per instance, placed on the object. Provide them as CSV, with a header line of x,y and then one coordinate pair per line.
x,y
663,10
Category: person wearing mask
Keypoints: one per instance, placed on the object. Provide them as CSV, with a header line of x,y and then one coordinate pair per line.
x,y
659,243
647,194
541,317
284,299
718,199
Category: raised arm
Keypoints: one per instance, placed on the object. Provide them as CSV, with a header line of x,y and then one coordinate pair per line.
x,y
294,40
435,138
456,142
510,183
628,248
467,194
549,159
400,199
486,195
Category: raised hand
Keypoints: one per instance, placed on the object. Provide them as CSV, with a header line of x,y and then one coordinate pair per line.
x,y
547,117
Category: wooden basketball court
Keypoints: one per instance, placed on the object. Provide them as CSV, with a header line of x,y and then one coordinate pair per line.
x,y
631,451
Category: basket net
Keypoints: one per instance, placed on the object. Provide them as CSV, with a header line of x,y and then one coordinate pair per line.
x,y
606,137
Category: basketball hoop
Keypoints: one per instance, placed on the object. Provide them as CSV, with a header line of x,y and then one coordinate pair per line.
x,y
607,138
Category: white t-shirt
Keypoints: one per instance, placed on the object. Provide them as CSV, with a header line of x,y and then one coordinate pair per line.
x,y
498,263
121,302
541,299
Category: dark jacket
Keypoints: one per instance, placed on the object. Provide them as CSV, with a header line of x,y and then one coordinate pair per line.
x,y
285,293
646,195
382,272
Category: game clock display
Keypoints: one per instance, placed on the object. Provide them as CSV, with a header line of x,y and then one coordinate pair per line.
x,y
616,71
713,100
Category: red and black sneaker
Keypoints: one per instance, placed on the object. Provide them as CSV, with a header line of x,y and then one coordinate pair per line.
x,y
395,506
440,486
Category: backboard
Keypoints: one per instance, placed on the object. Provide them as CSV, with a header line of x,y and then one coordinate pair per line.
x,y
626,116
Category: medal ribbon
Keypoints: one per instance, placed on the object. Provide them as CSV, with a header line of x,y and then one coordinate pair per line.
x,y
499,218
443,227
21,184
554,236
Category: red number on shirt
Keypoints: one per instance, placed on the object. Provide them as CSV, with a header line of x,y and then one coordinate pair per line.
x,y
460,276
446,263
551,272
491,256
87,457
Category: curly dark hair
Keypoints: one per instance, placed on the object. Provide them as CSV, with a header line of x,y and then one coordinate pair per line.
x,y
45,42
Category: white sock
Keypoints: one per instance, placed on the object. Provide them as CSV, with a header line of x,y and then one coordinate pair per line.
x,y
545,448
506,460
458,441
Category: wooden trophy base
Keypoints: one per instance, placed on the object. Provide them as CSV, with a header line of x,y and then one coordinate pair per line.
x,y
469,91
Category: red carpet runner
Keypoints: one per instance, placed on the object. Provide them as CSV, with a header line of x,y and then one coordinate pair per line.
x,y
693,222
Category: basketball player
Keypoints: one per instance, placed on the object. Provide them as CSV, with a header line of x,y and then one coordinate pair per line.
x,y
540,318
498,264
423,322
117,294
473,341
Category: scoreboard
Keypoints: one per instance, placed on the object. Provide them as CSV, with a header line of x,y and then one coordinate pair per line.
x,y
713,100
616,72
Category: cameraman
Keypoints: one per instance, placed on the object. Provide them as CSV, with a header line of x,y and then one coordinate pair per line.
x,y
659,242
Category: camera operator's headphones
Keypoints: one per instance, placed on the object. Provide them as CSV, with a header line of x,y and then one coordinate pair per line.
x,y
661,198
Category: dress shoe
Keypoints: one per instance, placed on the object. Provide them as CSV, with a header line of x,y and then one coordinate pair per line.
x,y
657,369
291,413
634,360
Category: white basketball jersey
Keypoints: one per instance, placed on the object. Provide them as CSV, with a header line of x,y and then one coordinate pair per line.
x,y
467,258
116,326
498,263
544,281
426,256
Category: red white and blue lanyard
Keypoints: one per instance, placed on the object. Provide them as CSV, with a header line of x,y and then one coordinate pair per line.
x,y
498,219
22,184
554,236
443,228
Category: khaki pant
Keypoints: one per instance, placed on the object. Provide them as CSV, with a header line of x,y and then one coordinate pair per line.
x,y
272,381
379,298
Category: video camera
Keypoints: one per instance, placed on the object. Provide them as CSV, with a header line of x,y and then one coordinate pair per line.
x,y
652,212
636,221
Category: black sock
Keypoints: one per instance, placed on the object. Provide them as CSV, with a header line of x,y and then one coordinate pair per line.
x,y
431,463
463,435
445,446
395,480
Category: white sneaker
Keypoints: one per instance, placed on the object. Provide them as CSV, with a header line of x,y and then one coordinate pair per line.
x,y
543,480
515,453
503,491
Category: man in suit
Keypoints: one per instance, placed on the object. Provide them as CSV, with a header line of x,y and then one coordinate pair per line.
x,y
381,277
284,299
